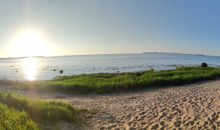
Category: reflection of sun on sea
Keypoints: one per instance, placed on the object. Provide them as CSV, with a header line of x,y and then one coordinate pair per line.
x,y
30,67
29,43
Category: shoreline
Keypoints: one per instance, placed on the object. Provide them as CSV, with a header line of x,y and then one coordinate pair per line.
x,y
104,83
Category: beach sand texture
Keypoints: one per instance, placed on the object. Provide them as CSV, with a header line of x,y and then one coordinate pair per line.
x,y
187,107
194,106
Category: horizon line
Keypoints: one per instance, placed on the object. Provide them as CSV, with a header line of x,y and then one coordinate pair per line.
x,y
159,52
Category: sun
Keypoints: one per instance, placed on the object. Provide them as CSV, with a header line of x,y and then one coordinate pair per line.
x,y
29,43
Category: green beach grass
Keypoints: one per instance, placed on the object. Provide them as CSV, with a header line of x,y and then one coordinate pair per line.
x,y
12,119
20,113
112,82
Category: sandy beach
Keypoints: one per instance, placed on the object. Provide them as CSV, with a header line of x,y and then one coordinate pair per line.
x,y
195,106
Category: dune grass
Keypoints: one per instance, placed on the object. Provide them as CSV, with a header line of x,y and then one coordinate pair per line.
x,y
11,119
23,110
110,82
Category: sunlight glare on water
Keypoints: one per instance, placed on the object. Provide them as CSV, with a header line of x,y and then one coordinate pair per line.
x,y
30,66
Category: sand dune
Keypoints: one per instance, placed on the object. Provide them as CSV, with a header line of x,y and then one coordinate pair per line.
x,y
194,106
188,107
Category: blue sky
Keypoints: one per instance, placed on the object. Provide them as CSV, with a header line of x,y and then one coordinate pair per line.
x,y
115,26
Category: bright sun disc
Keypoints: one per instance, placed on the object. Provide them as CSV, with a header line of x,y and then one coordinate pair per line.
x,y
29,43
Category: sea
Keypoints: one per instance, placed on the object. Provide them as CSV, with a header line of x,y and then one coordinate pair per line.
x,y
47,68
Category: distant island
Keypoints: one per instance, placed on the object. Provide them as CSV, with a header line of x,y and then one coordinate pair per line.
x,y
175,53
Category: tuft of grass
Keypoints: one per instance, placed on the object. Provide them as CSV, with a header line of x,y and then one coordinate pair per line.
x,y
11,119
41,111
107,82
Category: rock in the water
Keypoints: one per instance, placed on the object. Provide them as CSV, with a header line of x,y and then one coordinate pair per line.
x,y
204,65
61,71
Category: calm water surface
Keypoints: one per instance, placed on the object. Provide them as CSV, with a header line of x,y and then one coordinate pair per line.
x,y
48,68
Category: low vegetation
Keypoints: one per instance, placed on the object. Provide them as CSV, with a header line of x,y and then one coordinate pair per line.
x,y
11,119
20,113
108,82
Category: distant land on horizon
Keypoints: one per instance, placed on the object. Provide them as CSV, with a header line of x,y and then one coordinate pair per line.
x,y
110,54
177,53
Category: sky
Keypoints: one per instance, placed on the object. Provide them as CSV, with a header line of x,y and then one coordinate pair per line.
x,y
76,27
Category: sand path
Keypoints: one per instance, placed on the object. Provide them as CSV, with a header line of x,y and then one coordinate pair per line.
x,y
195,106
